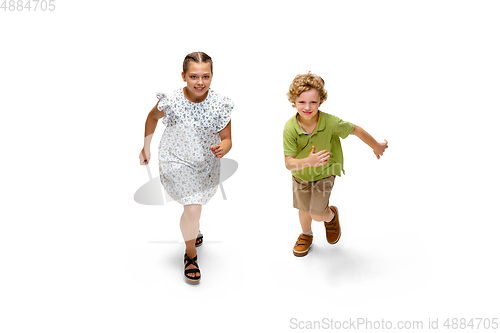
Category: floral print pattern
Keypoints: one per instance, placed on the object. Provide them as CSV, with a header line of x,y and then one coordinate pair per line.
x,y
189,171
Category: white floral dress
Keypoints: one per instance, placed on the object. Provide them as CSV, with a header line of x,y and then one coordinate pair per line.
x,y
189,171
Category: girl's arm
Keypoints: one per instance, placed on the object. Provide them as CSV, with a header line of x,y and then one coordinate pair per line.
x,y
378,147
225,144
150,127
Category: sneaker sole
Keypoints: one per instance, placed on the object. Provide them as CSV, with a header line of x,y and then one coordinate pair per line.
x,y
301,254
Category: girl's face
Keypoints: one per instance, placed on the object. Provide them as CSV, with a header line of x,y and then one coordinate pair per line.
x,y
198,78
307,104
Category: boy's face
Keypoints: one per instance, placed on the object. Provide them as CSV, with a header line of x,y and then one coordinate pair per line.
x,y
307,104
198,79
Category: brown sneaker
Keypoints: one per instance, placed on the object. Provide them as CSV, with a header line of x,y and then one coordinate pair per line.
x,y
333,228
302,245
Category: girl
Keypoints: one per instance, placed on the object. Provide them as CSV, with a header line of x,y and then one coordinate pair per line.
x,y
197,135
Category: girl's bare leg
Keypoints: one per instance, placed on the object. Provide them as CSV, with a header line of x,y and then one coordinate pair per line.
x,y
190,225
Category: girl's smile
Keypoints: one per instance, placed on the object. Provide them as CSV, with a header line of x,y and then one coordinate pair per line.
x,y
198,79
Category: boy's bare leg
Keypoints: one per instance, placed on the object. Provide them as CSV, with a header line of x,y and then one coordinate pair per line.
x,y
323,218
190,225
305,221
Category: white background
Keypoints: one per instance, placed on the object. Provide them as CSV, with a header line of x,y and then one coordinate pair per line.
x,y
420,226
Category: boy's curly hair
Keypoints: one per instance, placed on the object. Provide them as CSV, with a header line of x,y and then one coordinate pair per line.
x,y
305,82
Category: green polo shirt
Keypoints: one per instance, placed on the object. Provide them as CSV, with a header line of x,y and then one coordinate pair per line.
x,y
325,136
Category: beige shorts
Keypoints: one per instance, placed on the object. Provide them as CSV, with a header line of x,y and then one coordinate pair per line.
x,y
313,196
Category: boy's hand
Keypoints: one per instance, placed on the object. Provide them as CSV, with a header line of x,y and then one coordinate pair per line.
x,y
144,156
217,150
379,150
318,159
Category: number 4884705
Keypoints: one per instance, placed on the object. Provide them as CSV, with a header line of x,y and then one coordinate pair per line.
x,y
28,5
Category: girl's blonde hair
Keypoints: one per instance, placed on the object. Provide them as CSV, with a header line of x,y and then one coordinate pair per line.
x,y
305,82
197,57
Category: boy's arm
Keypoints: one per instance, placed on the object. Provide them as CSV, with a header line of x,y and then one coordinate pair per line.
x,y
314,159
378,147
151,122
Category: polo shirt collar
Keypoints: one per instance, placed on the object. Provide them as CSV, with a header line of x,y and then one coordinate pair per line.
x,y
321,124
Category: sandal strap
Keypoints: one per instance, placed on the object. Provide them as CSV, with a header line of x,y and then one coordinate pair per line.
x,y
190,261
191,270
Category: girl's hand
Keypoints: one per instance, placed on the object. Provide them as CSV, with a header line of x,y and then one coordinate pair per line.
x,y
379,150
318,159
144,156
217,150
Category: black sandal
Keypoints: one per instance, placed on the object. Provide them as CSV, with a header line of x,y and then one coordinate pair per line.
x,y
191,261
199,240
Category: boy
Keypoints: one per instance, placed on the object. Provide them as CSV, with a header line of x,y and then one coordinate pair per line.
x,y
314,155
